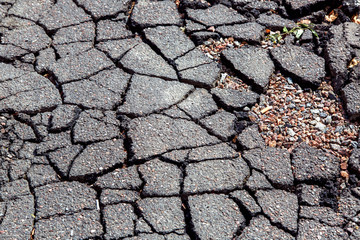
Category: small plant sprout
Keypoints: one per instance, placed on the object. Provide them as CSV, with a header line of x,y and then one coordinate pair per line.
x,y
277,37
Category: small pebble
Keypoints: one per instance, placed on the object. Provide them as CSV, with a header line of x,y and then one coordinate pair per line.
x,y
327,120
321,127
344,174
291,132
323,115
313,122
305,115
335,147
315,111
291,105
339,129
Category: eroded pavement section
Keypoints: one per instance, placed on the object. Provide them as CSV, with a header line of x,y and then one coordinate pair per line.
x,y
173,120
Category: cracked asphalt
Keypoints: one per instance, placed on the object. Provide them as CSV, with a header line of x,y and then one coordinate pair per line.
x,y
112,125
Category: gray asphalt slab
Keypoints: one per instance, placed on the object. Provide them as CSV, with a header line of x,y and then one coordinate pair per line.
x,y
117,122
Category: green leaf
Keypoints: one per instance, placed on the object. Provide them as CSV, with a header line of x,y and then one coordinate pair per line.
x,y
272,38
293,29
298,33
303,25
314,33
285,30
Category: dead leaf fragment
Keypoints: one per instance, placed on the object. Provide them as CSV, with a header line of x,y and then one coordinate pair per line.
x,y
132,7
266,109
272,143
32,234
332,16
353,63
344,174
305,21
212,28
343,166
356,19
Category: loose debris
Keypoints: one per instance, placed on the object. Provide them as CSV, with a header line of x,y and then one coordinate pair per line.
x,y
288,115
232,82
353,63
212,48
332,16
356,19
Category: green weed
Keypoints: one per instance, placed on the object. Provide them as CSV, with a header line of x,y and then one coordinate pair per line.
x,y
298,31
